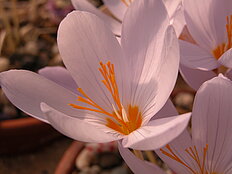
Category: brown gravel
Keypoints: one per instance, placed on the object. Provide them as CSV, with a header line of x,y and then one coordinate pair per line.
x,y
42,161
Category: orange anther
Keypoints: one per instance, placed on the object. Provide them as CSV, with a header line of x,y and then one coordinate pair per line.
x,y
193,153
120,119
223,47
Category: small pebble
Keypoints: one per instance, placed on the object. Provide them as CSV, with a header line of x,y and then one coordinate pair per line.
x,y
109,160
87,157
184,100
84,159
55,49
119,170
31,48
95,169
56,60
86,170
61,3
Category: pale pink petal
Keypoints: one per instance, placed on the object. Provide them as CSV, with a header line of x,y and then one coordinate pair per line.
x,y
206,21
176,14
172,6
178,21
84,41
75,128
60,76
26,90
229,74
84,5
226,58
159,73
229,169
220,10
196,57
194,77
119,39
117,7
136,23
136,165
212,122
150,57
156,133
199,19
167,110
178,146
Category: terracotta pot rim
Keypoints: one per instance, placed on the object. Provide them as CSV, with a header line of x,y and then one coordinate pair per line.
x,y
20,122
24,135
67,161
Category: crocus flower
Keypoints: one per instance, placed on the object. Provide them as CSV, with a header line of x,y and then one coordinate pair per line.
x,y
122,86
119,7
208,150
209,23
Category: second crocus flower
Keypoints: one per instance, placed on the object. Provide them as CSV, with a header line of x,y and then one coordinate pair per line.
x,y
208,150
209,51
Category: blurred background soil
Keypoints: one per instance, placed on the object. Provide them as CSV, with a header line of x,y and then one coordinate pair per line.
x,y
40,161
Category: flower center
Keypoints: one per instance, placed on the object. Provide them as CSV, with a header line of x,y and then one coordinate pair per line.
x,y
222,48
194,155
122,120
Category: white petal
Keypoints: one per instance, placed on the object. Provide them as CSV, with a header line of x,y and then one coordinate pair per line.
x,y
172,6
196,57
195,77
178,146
136,165
60,76
137,23
178,21
212,121
84,5
150,56
117,7
167,110
206,21
84,40
228,74
226,58
157,133
75,128
27,90
154,93
176,14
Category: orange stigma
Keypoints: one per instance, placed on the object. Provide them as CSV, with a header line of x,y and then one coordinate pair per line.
x,y
222,48
193,153
120,119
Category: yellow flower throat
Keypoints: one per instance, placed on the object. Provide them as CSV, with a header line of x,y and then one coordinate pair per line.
x,y
122,120
222,48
